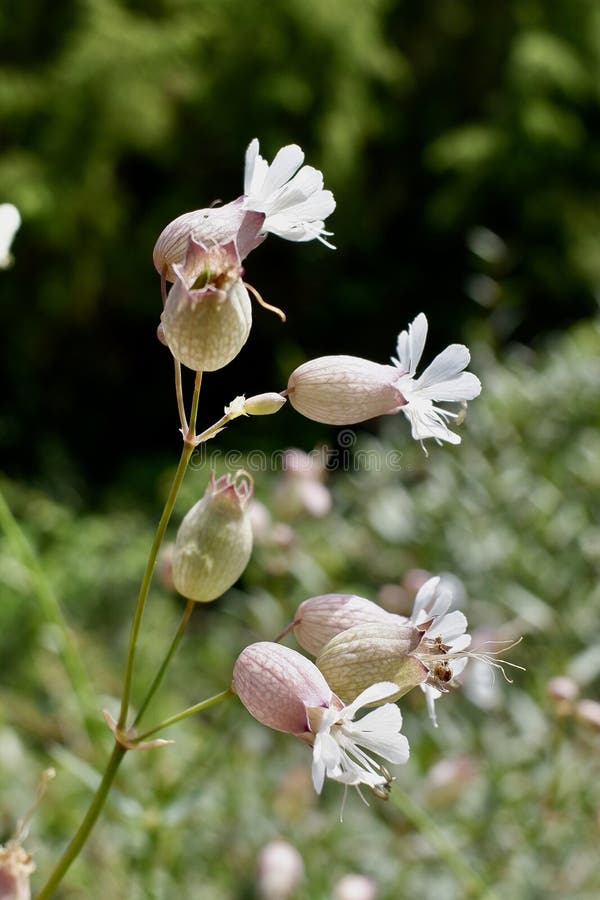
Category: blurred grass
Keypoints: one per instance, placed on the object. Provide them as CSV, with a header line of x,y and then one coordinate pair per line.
x,y
514,787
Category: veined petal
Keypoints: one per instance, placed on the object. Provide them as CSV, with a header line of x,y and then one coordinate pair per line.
x,y
446,365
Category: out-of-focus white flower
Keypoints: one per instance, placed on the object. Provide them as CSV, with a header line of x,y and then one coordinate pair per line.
x,y
10,221
448,630
280,870
289,194
355,887
443,380
285,691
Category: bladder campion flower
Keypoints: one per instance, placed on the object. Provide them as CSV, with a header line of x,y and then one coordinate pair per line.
x,y
443,380
447,630
285,691
214,541
207,316
288,198
345,390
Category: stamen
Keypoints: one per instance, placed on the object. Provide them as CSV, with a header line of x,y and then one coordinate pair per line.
x,y
263,303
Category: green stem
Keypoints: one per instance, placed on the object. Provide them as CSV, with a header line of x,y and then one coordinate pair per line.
x,y
190,711
52,611
87,824
473,883
186,453
161,672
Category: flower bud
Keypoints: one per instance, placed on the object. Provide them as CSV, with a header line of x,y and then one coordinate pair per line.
x,y
277,686
264,404
320,619
370,653
343,390
280,870
207,316
214,541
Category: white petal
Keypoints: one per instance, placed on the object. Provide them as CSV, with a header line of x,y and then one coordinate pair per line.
x,y
426,422
447,365
465,386
460,643
379,731
457,665
424,597
372,694
410,344
450,626
431,695
286,163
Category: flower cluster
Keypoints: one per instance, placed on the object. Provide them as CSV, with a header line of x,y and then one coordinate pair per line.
x,y
365,657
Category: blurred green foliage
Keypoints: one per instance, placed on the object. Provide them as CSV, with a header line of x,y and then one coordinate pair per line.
x,y
461,141
511,789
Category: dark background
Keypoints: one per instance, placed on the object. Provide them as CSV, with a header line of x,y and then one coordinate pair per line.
x,y
460,140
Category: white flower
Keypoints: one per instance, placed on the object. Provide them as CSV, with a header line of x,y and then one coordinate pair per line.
x,y
10,220
448,631
444,379
341,744
289,194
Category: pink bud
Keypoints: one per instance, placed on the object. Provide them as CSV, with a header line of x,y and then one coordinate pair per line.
x,y
276,685
319,619
343,390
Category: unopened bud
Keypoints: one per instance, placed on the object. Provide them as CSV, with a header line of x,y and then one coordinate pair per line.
x,y
320,619
264,404
365,654
214,541
343,390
